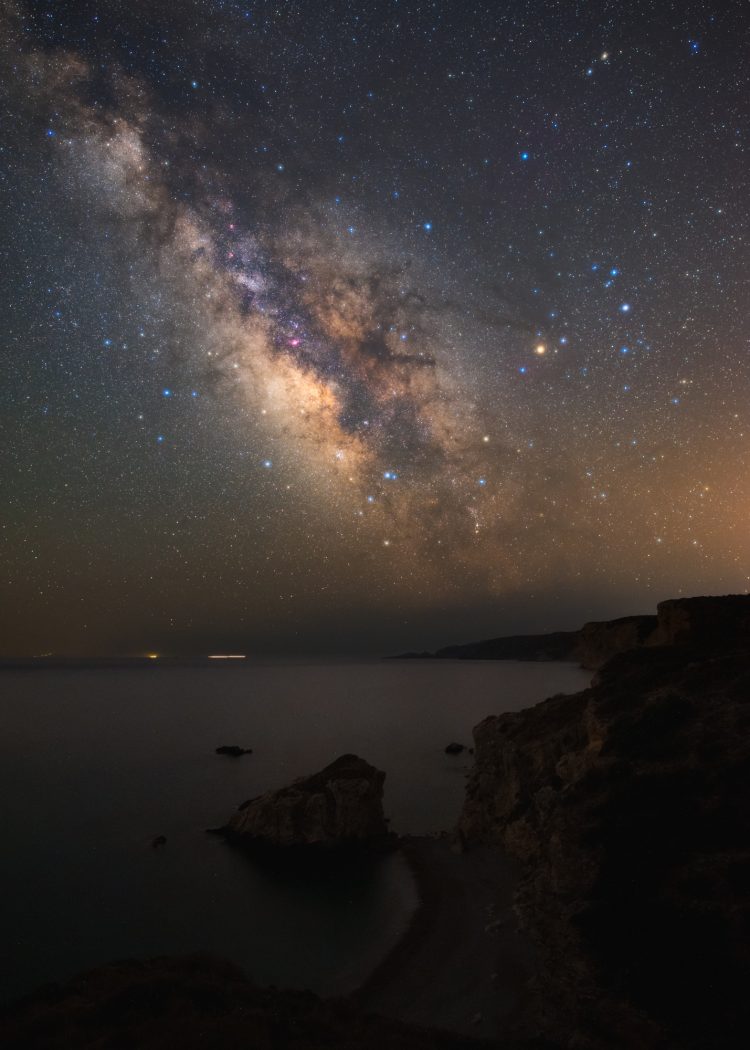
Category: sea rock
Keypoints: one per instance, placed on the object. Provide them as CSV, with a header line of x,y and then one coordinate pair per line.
x,y
159,840
343,803
629,806
233,750
455,749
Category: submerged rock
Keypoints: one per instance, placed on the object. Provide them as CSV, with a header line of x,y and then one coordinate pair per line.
x,y
343,803
233,750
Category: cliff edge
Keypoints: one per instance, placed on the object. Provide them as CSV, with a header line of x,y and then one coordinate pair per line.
x,y
629,806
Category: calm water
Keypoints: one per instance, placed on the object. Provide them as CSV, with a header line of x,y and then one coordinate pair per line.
x,y
95,763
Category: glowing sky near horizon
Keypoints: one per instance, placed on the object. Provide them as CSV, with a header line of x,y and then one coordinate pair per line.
x,y
333,325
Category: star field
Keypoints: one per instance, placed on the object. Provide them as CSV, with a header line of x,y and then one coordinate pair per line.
x,y
352,325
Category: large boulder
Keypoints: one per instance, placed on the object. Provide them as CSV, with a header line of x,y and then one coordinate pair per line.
x,y
343,803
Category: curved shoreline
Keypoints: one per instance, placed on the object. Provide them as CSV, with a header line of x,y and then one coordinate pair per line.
x,y
463,964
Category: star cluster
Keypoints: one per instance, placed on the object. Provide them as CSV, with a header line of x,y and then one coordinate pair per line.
x,y
339,325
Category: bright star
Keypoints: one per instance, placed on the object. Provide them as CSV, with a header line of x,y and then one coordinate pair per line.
x,y
625,308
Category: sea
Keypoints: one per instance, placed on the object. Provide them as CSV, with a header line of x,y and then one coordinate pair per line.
x,y
97,762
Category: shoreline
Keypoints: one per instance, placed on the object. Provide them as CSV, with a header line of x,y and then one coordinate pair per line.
x,y
463,964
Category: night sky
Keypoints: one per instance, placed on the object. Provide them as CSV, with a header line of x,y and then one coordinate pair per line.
x,y
371,325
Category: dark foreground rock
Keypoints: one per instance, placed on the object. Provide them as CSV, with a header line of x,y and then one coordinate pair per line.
x,y
233,751
629,806
340,805
165,1004
454,748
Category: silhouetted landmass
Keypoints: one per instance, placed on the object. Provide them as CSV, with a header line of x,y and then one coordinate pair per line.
x,y
676,622
629,806
561,645
195,1004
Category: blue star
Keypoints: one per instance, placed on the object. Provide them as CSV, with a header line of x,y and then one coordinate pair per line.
x,y
614,272
625,308
166,392
160,438
193,393
522,369
427,226
350,229
595,266
525,155
267,464
193,84
370,499
50,133
106,342
390,475
483,481
624,349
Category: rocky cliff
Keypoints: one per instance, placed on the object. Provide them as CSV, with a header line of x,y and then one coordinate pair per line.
x,y
599,641
343,803
629,804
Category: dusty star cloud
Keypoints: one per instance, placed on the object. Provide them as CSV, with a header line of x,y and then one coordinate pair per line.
x,y
290,355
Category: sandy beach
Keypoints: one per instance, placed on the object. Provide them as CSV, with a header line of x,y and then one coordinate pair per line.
x,y
463,965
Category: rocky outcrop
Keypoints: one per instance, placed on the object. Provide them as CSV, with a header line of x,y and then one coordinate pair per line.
x,y
233,750
629,804
341,804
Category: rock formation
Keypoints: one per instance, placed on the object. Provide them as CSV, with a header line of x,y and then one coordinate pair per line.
x,y
343,803
196,1003
629,804
599,641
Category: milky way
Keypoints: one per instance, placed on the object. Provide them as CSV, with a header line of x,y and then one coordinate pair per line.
x,y
339,325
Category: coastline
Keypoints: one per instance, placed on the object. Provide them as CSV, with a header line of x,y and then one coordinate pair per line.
x,y
463,964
